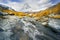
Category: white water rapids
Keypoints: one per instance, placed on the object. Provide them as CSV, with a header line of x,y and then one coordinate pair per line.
x,y
13,28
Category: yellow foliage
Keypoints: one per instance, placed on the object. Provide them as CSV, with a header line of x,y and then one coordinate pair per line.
x,y
37,15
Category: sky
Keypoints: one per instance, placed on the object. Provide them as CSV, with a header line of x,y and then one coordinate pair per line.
x,y
29,5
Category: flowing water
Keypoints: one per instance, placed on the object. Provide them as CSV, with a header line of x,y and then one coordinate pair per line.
x,y
13,28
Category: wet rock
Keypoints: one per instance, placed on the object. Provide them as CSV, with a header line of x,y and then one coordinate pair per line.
x,y
54,23
25,29
1,30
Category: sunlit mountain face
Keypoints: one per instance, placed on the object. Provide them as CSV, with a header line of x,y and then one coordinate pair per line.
x,y
46,27
5,7
28,5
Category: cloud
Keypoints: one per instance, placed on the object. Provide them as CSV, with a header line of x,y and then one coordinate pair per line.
x,y
15,5
4,1
35,5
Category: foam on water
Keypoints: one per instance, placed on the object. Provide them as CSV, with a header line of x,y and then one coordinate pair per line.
x,y
25,29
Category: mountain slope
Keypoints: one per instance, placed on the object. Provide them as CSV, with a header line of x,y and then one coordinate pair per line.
x,y
26,28
4,7
50,11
